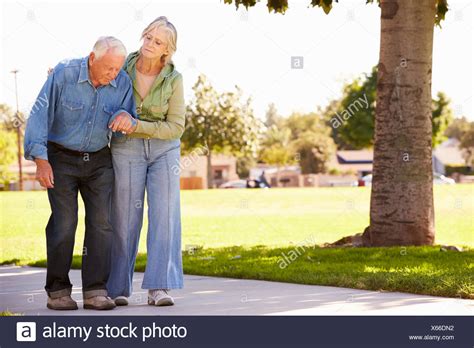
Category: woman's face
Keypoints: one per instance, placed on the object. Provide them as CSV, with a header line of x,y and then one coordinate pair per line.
x,y
154,44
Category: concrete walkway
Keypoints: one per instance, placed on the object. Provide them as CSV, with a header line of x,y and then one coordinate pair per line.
x,y
21,291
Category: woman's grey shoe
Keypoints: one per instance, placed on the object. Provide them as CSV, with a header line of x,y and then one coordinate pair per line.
x,y
64,303
99,303
121,301
159,297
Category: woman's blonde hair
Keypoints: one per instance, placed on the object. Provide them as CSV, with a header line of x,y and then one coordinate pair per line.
x,y
172,36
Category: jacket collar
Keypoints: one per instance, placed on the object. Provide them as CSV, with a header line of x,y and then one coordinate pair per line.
x,y
130,66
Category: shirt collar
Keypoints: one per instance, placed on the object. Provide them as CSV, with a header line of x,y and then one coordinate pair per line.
x,y
84,73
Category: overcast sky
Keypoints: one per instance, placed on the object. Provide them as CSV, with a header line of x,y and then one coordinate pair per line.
x,y
250,49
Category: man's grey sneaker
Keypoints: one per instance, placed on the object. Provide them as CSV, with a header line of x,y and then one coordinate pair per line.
x,y
159,297
99,303
61,303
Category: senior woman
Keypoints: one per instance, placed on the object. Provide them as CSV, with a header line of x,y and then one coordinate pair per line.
x,y
143,160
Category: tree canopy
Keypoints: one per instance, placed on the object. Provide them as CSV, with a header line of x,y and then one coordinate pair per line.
x,y
281,6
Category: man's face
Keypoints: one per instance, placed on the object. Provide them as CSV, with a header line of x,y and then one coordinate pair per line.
x,y
106,68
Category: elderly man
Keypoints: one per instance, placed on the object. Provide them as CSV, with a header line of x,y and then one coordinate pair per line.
x,y
68,140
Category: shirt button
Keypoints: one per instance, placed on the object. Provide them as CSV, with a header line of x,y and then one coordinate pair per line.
x,y
90,122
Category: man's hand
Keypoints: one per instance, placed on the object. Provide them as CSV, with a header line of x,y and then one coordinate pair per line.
x,y
123,123
44,173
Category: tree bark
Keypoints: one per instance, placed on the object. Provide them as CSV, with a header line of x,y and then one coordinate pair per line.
x,y
401,207
209,170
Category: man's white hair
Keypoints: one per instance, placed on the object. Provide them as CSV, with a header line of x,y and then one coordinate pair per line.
x,y
106,43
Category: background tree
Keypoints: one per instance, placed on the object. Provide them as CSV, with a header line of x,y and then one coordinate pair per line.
x,y
8,154
467,145
311,141
457,128
247,162
442,117
244,164
220,122
10,120
275,147
8,141
271,116
357,132
401,208
300,138
313,152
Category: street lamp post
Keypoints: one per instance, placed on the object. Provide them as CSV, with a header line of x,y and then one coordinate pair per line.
x,y
18,133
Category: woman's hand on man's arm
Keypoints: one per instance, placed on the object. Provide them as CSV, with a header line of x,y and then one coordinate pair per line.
x,y
124,123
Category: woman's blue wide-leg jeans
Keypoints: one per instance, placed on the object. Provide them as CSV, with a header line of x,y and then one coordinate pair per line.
x,y
150,165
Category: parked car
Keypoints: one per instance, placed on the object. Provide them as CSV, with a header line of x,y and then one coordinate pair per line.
x,y
437,179
366,180
254,183
343,183
249,183
441,179
234,184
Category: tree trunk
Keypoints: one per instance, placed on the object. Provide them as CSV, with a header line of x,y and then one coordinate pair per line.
x,y
401,207
278,176
209,170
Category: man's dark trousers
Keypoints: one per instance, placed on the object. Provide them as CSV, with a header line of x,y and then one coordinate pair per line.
x,y
92,175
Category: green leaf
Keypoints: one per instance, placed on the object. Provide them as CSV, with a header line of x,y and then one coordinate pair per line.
x,y
278,6
441,9
326,5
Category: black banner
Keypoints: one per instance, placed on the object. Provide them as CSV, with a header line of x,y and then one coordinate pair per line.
x,y
241,331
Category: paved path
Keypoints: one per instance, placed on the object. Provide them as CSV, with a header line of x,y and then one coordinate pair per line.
x,y
21,291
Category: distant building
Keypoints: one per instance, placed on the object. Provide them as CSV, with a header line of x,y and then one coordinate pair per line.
x,y
194,171
350,164
447,153
358,162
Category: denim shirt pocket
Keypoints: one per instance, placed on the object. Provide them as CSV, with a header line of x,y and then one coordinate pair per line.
x,y
71,112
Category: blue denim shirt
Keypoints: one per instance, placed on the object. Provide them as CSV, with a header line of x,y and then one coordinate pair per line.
x,y
70,111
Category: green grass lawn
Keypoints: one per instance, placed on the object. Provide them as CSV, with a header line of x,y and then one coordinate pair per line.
x,y
418,270
220,218
247,233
